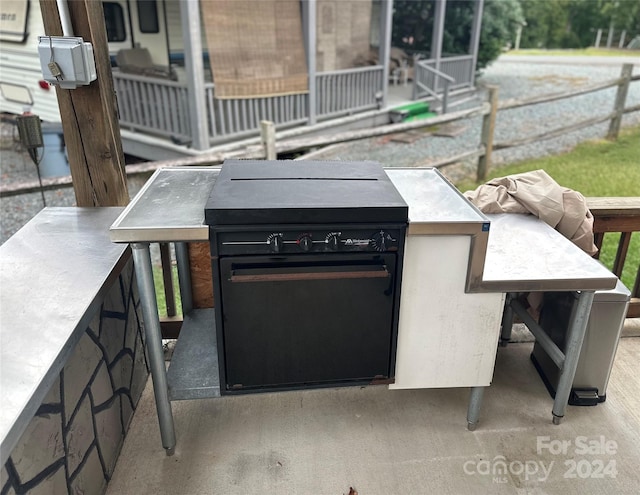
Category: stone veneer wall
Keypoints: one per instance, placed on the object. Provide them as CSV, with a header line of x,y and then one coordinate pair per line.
x,y
73,441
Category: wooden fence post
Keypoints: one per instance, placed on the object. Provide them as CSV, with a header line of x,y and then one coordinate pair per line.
x,y
621,98
268,139
89,113
486,138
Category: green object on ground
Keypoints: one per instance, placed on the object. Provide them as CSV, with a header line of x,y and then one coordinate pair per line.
x,y
411,112
420,116
417,108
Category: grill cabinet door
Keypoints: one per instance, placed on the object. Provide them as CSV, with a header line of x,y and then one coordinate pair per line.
x,y
302,321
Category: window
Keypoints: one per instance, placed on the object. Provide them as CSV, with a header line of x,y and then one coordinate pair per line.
x,y
148,16
114,21
13,20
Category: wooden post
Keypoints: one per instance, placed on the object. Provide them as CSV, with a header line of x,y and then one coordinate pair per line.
x,y
516,45
268,139
610,35
486,139
621,98
622,36
89,113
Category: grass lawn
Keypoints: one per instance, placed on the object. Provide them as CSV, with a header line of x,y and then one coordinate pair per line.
x,y
159,285
599,52
595,168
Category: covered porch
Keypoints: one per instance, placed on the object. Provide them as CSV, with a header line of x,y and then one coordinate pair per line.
x,y
161,117
88,376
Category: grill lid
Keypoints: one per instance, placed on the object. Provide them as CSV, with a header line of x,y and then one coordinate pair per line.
x,y
257,192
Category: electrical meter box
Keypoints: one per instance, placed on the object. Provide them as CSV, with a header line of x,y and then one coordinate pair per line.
x,y
66,61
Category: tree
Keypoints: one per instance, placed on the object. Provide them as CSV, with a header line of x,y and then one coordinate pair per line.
x,y
574,23
623,14
458,21
500,20
585,20
413,25
547,23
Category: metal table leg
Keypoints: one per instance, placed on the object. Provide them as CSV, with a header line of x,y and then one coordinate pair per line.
x,y
473,412
575,337
144,274
507,320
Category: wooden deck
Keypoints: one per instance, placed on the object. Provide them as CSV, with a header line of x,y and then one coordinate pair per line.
x,y
621,215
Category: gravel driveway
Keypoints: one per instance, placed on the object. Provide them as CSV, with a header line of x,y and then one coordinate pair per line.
x,y
515,80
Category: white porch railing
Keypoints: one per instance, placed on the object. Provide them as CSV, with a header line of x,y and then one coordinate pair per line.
x,y
154,106
424,72
348,90
460,68
337,92
241,117
424,78
161,107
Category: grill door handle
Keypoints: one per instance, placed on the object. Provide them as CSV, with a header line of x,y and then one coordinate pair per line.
x,y
296,277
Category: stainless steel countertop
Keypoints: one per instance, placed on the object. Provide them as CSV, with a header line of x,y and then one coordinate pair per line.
x,y
53,274
436,207
433,202
169,208
526,254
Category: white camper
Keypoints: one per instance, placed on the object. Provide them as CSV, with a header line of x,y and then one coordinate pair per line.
x,y
128,24
21,82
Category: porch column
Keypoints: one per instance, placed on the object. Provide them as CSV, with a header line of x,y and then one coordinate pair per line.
x,y
438,31
309,9
190,15
384,50
474,44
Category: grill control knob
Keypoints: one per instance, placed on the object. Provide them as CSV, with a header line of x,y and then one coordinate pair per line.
x,y
305,242
275,244
382,241
333,241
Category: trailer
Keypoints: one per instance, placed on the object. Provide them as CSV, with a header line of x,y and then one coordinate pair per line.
x,y
128,24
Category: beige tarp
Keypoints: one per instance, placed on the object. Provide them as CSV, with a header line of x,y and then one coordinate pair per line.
x,y
537,193
255,47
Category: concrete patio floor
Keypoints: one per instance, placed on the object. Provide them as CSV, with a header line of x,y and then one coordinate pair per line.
x,y
383,442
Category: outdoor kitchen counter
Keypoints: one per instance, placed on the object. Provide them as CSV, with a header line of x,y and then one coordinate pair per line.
x,y
53,275
170,208
510,252
450,340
